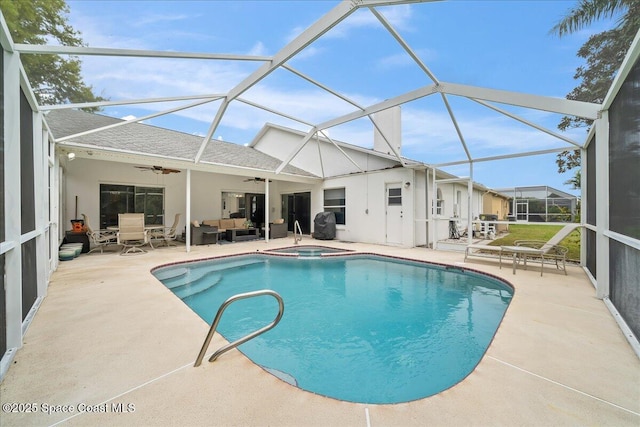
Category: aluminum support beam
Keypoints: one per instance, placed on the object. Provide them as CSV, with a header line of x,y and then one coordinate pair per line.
x,y
455,125
212,97
308,36
296,150
137,119
278,113
528,123
212,129
138,53
392,102
537,102
404,45
506,156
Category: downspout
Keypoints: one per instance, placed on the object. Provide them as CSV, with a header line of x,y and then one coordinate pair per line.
x,y
188,211
434,231
469,207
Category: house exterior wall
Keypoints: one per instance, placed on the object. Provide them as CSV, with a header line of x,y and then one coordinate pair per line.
x,y
497,205
366,206
318,157
455,207
206,190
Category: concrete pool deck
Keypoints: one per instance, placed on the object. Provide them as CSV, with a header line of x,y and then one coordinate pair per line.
x,y
110,338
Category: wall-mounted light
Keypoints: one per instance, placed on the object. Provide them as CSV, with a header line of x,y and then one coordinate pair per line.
x,y
71,156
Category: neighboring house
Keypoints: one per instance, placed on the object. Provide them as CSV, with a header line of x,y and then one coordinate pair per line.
x,y
498,204
541,203
378,197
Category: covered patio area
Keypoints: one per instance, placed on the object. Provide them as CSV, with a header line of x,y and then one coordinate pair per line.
x,y
113,341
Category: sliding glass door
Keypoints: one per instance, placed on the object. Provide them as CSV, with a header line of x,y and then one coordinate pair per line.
x,y
115,199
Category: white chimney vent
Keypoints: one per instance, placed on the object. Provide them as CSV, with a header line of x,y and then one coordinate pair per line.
x,y
389,122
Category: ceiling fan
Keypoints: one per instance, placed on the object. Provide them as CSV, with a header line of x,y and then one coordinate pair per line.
x,y
256,179
158,169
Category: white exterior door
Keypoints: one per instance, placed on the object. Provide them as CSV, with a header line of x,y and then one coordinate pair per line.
x,y
394,213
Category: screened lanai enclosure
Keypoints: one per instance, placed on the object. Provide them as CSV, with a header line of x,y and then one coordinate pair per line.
x,y
540,204
32,179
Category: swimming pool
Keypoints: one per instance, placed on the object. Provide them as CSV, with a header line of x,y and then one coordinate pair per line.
x,y
366,329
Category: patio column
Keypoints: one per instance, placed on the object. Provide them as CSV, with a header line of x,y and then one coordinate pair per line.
x,y
266,210
469,206
188,211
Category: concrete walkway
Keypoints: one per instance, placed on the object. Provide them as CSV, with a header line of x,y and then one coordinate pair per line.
x,y
111,346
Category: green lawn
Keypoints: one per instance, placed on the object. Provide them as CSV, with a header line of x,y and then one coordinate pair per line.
x,y
541,232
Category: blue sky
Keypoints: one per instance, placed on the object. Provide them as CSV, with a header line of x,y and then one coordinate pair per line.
x,y
493,44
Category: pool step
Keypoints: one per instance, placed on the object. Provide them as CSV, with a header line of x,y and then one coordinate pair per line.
x,y
174,278
207,281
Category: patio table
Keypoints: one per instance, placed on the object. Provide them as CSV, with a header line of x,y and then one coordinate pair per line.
x,y
524,251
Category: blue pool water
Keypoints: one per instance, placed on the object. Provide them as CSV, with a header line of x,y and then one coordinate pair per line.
x,y
366,329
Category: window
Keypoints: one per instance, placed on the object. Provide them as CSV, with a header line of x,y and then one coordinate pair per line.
x,y
394,197
439,203
457,208
335,201
116,199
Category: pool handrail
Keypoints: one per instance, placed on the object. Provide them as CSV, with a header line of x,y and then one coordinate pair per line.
x,y
246,338
296,229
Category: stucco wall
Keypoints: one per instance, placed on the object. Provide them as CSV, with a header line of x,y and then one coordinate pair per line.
x,y
325,160
84,176
366,206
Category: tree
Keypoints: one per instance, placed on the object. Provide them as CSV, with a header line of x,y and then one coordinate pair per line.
x,y
603,53
54,79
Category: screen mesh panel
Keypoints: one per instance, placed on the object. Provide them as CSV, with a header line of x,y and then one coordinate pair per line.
x,y
624,274
624,157
591,182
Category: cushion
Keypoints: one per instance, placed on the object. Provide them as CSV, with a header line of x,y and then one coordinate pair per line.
x,y
239,222
278,221
227,223
211,222
195,223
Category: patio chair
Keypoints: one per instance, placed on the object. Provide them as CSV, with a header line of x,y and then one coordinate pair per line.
x,y
99,238
549,249
167,234
131,233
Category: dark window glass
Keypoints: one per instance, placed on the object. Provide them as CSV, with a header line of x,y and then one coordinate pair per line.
x,y
27,205
591,182
116,199
3,312
335,201
395,197
2,151
591,251
624,157
29,276
624,277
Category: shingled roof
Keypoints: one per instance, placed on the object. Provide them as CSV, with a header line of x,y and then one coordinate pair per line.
x,y
154,141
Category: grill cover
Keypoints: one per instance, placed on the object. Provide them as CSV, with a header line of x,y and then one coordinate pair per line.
x,y
324,226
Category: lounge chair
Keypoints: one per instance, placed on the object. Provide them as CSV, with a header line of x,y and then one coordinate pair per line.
x,y
99,238
549,249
